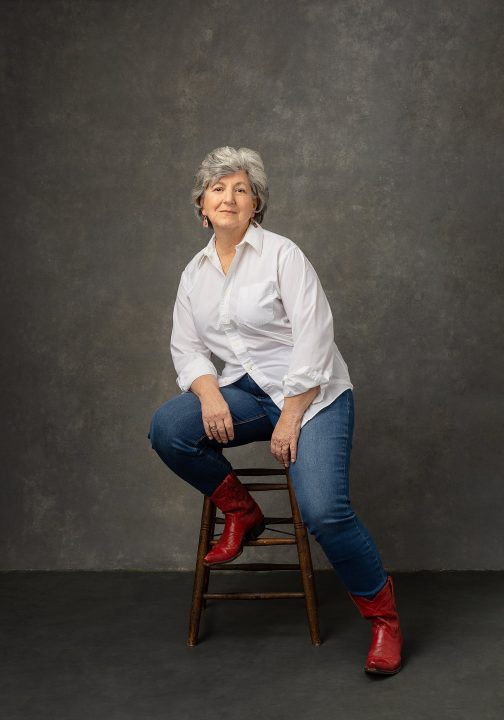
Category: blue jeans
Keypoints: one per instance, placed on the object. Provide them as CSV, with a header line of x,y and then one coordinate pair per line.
x,y
320,474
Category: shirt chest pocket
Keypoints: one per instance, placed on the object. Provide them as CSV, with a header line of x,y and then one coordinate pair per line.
x,y
255,303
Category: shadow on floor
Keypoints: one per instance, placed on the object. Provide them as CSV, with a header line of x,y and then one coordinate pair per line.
x,y
112,645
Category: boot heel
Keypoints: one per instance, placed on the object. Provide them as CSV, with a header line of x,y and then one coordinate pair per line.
x,y
256,531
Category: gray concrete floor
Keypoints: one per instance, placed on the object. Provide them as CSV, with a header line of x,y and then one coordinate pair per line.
x,y
113,645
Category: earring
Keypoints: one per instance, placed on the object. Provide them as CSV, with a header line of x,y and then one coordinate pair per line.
x,y
205,221
253,222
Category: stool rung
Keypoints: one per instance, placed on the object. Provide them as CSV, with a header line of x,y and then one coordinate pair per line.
x,y
265,486
296,535
267,520
271,541
258,472
258,567
252,595
265,541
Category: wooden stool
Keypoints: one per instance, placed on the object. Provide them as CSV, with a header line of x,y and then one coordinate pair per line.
x,y
299,538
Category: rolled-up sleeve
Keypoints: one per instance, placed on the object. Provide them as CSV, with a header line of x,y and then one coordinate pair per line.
x,y
311,319
191,357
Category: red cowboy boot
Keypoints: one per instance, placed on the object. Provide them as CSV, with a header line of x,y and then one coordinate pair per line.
x,y
385,652
244,520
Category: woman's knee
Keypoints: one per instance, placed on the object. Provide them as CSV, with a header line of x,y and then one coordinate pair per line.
x,y
160,426
314,518
176,422
319,517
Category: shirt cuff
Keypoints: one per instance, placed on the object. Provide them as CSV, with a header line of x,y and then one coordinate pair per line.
x,y
194,370
302,380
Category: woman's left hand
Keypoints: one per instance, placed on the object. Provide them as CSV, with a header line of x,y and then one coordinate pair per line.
x,y
285,438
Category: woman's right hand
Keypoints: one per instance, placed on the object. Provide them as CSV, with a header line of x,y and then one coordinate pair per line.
x,y
217,419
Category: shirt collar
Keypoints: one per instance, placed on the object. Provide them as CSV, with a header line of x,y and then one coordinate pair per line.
x,y
253,236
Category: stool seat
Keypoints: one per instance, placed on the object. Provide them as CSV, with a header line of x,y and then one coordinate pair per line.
x,y
299,538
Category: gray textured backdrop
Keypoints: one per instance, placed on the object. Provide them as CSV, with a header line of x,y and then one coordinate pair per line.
x,y
381,126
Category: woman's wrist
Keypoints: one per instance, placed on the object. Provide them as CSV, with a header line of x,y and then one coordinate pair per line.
x,y
205,385
296,405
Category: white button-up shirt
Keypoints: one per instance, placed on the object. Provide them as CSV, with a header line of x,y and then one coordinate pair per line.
x,y
268,316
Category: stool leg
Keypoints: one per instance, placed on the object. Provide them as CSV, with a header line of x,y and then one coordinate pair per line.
x,y
207,567
305,563
312,574
201,573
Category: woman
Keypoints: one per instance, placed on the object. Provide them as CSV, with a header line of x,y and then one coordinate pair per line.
x,y
253,299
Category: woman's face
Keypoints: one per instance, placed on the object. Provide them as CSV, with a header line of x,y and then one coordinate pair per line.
x,y
229,202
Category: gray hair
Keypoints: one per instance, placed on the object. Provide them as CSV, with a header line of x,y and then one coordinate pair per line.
x,y
224,161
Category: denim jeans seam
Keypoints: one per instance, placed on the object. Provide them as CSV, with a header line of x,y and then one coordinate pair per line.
x,y
239,422
348,448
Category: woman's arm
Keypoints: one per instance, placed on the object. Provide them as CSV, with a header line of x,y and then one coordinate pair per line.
x,y
286,433
190,355
311,319
215,411
311,361
205,385
196,372
296,405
